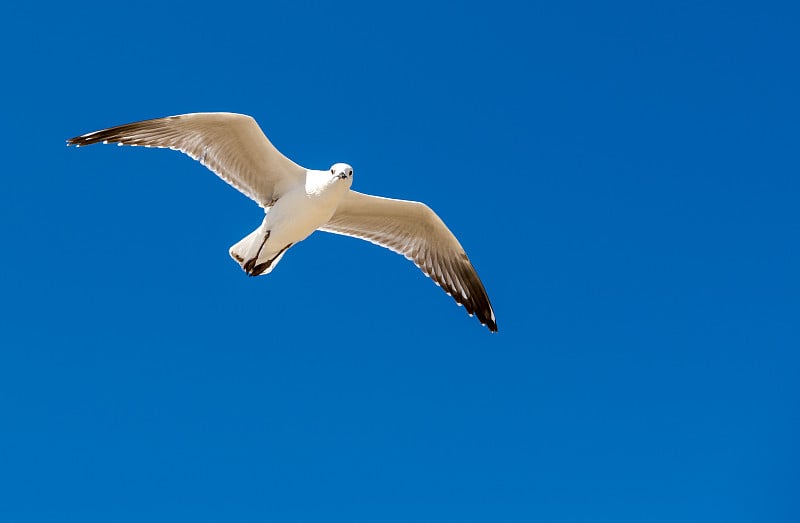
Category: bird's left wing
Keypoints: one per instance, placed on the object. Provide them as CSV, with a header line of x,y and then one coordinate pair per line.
x,y
231,145
415,231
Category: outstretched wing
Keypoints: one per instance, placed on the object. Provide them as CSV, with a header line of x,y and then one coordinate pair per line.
x,y
231,145
415,231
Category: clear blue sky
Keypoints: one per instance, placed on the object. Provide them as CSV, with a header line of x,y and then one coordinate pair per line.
x,y
624,176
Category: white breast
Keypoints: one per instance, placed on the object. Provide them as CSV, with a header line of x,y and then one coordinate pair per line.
x,y
304,209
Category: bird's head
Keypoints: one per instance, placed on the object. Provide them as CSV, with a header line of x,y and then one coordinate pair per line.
x,y
342,171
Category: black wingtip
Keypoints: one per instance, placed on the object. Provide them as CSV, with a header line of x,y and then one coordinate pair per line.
x,y
83,139
491,325
89,138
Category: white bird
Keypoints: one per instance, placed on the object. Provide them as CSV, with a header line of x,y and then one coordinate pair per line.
x,y
298,201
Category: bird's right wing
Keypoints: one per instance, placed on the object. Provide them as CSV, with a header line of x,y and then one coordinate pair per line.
x,y
415,231
231,145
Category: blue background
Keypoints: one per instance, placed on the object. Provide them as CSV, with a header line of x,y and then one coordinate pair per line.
x,y
623,176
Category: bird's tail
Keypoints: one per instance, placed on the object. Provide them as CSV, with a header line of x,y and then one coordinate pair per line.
x,y
255,254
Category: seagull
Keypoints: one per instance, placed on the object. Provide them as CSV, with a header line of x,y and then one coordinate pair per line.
x,y
298,201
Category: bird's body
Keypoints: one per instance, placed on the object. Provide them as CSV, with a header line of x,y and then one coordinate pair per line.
x,y
299,212
299,201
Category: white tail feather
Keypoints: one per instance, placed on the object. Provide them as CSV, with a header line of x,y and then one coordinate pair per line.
x,y
255,254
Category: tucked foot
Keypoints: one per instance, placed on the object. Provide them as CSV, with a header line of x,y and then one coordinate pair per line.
x,y
254,269
251,268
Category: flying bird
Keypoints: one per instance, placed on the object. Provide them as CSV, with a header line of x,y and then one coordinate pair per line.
x,y
298,201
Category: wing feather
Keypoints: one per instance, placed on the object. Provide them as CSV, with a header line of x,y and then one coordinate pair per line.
x,y
415,231
230,145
